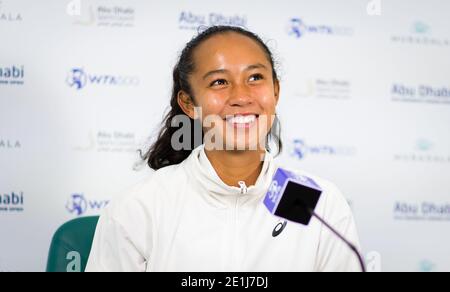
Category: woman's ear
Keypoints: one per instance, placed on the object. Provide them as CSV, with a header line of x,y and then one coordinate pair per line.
x,y
277,90
186,104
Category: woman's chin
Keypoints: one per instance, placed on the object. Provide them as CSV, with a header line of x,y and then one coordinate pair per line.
x,y
244,146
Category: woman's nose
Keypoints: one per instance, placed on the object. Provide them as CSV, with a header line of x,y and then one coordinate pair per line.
x,y
240,96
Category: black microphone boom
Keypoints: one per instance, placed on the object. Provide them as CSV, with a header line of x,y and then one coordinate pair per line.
x,y
349,244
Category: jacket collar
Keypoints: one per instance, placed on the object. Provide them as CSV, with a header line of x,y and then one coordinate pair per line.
x,y
205,175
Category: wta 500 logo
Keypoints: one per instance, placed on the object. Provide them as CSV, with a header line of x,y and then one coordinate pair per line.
x,y
274,192
298,28
79,79
301,149
79,205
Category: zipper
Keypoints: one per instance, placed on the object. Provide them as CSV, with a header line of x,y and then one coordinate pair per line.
x,y
243,187
235,251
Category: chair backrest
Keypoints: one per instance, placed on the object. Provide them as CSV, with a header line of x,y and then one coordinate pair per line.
x,y
71,245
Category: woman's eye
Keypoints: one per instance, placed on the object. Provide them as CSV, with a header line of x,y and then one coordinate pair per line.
x,y
219,82
256,77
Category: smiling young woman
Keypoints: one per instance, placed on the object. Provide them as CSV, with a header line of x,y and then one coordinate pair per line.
x,y
201,210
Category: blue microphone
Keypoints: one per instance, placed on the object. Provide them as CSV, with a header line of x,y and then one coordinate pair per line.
x,y
294,197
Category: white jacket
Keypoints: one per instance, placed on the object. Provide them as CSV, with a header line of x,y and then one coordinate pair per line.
x,y
185,218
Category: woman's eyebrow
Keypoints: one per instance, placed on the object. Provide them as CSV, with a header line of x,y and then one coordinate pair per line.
x,y
221,71
256,66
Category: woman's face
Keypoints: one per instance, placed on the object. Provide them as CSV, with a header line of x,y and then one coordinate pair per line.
x,y
234,87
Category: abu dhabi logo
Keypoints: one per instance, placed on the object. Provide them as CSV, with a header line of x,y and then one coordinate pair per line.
x,y
421,211
78,205
109,141
324,88
78,78
9,16
423,93
192,21
12,75
12,202
298,28
301,150
86,18
102,15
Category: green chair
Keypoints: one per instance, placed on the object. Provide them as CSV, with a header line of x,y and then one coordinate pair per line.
x,y
71,245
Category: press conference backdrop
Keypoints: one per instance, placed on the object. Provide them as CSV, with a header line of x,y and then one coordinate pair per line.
x,y
365,103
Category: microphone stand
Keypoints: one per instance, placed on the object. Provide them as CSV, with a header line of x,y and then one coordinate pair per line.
x,y
350,245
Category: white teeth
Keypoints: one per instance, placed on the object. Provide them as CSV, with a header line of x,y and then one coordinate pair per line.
x,y
242,119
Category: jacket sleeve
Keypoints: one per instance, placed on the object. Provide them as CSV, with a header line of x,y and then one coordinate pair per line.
x,y
119,245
